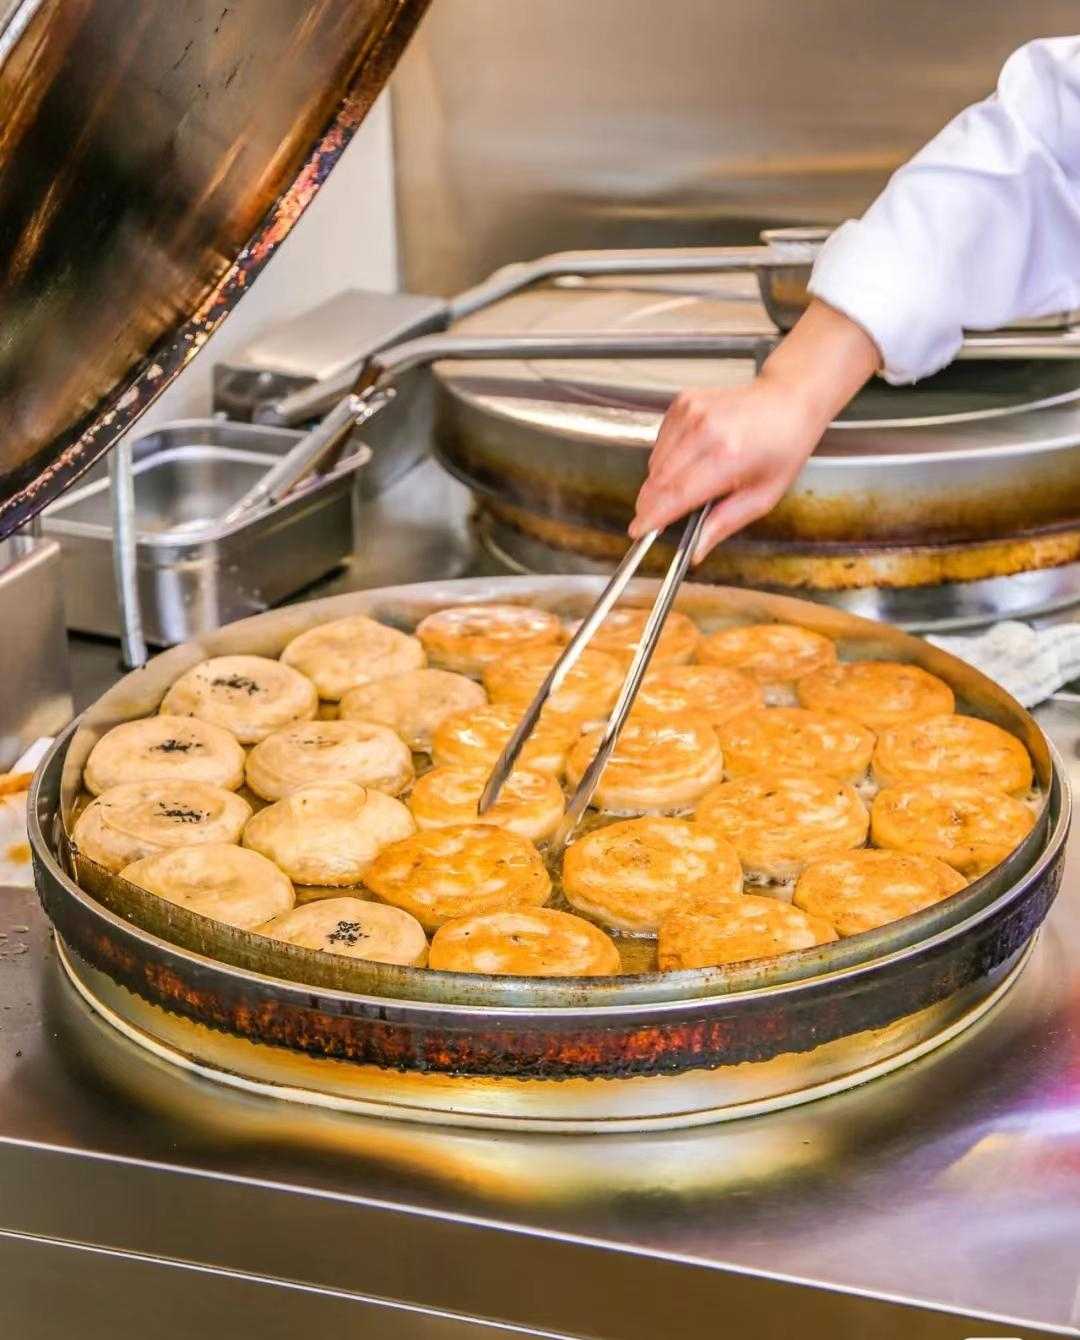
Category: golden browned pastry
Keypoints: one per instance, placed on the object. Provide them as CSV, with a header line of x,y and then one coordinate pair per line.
x,y
621,632
476,739
340,655
414,704
777,822
658,765
251,696
530,803
794,739
467,638
776,655
971,828
329,751
588,692
751,927
445,873
947,747
525,942
226,883
328,833
354,928
137,819
631,874
880,694
715,691
165,748
861,890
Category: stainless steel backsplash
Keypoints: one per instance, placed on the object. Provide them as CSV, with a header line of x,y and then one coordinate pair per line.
x,y
527,126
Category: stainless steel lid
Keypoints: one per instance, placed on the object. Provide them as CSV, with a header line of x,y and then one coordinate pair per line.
x,y
152,157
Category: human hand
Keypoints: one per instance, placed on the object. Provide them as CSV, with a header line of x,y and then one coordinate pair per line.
x,y
741,448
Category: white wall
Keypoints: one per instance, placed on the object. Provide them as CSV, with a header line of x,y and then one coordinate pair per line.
x,y
346,239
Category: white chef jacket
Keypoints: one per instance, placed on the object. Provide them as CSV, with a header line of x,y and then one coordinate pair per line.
x,y
981,228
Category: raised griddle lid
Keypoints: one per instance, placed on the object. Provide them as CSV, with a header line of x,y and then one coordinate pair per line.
x,y
153,155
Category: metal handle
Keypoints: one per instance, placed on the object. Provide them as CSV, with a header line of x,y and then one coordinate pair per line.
x,y
1036,344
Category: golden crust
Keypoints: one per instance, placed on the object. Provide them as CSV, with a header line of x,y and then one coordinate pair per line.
x,y
530,803
777,822
776,655
971,828
749,928
165,748
525,942
659,764
621,632
355,929
328,833
341,655
862,890
588,692
632,874
226,883
949,747
467,638
716,692
442,874
794,739
138,819
329,751
476,739
251,696
880,694
414,704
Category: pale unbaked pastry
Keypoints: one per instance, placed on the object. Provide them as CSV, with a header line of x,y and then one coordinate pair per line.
x,y
355,929
329,751
631,874
137,819
328,833
251,696
971,828
226,883
945,748
530,803
467,638
165,748
659,764
476,739
345,653
777,822
880,694
861,890
444,873
748,928
776,655
414,704
794,739
525,942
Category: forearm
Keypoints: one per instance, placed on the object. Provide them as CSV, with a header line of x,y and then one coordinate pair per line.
x,y
823,362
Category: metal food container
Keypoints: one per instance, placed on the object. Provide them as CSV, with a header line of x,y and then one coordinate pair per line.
x,y
194,573
637,1052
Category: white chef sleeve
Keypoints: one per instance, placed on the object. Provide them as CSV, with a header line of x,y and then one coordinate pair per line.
x,y
981,228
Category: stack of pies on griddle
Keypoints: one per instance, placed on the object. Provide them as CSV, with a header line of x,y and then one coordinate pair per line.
x,y
764,798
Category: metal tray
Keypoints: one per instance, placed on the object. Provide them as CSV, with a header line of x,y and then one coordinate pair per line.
x,y
656,1049
195,574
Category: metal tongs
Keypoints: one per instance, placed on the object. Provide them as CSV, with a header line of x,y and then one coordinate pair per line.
x,y
654,626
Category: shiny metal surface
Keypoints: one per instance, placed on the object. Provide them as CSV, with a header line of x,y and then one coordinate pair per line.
x,y
35,697
191,568
942,1201
692,123
152,158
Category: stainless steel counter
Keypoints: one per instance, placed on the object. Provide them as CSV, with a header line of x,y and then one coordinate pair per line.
x,y
943,1201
